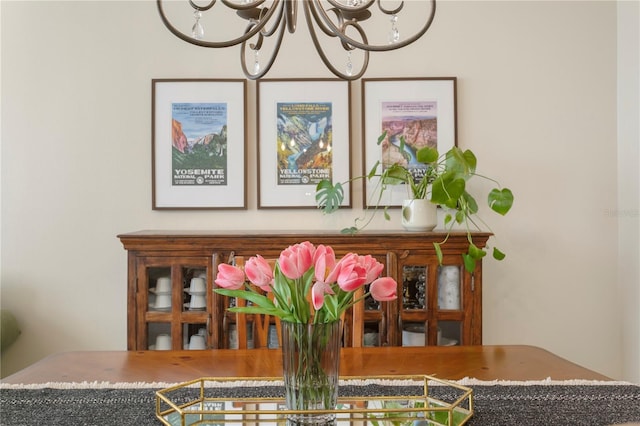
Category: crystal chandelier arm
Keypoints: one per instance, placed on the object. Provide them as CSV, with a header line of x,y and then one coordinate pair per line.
x,y
242,6
352,10
320,11
243,58
365,6
267,18
390,11
262,22
320,23
309,12
291,7
246,36
329,32
202,8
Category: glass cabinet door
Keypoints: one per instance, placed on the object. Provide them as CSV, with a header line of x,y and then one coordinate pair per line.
x,y
175,301
414,300
433,302
450,300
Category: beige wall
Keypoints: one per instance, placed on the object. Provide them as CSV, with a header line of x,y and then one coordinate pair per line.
x,y
536,102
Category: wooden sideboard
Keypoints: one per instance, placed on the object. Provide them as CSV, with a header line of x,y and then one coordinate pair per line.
x,y
437,304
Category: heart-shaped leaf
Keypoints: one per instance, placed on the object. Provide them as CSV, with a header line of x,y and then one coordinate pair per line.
x,y
427,155
438,249
501,201
469,263
352,230
476,252
497,254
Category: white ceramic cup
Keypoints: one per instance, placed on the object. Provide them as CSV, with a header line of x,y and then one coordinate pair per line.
x,y
197,285
233,337
163,300
163,285
371,339
197,342
197,301
413,335
163,342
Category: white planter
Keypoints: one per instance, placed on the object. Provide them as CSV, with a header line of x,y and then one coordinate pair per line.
x,y
419,215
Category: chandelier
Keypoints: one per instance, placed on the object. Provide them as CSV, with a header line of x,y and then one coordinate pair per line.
x,y
338,22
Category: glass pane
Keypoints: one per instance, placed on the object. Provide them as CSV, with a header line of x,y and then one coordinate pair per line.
x,y
195,289
159,286
370,303
233,336
159,336
371,334
413,334
195,336
273,337
414,287
449,287
449,333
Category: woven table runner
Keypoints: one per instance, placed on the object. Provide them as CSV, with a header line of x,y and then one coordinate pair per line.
x,y
495,403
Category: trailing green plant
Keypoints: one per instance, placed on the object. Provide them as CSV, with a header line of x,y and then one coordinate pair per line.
x,y
444,182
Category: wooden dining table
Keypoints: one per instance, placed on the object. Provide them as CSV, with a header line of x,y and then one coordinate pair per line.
x,y
490,362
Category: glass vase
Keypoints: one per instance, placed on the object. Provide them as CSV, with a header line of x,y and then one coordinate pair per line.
x,y
310,363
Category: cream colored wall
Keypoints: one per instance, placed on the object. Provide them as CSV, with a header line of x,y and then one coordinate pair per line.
x,y
628,211
536,102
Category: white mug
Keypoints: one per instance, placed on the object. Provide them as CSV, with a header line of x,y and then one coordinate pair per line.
x,y
162,301
197,301
413,335
197,342
163,285
233,337
163,342
371,339
197,285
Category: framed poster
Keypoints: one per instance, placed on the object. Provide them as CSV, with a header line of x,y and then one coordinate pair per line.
x,y
423,110
304,136
198,144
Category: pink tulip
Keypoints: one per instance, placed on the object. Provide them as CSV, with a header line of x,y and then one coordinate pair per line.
x,y
384,289
318,290
295,260
348,273
230,277
332,277
372,266
324,260
259,272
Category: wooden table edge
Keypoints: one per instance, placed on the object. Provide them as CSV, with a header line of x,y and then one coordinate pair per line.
x,y
488,362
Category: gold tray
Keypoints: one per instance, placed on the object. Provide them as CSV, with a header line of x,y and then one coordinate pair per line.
x,y
197,408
